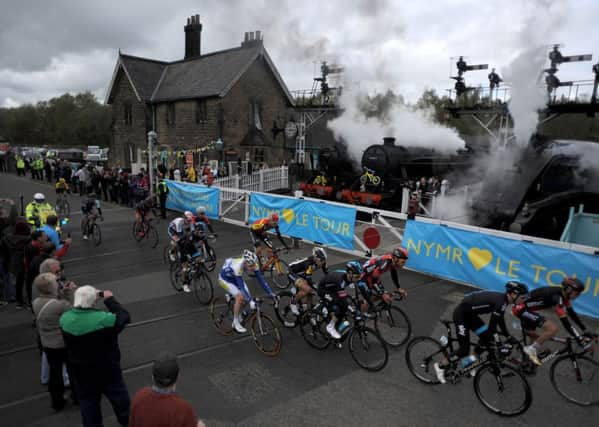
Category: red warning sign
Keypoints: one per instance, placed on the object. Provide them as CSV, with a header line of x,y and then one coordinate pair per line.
x,y
371,238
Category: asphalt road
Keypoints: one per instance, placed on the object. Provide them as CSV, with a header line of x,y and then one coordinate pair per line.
x,y
226,379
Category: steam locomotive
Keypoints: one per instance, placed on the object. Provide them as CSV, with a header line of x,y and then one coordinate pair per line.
x,y
385,169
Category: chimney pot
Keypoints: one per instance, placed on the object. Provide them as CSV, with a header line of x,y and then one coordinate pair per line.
x,y
251,36
197,19
389,141
246,37
257,35
188,21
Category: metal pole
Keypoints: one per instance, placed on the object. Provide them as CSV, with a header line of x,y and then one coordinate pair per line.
x,y
151,138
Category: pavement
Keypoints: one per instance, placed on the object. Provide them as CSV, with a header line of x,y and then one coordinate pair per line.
x,y
226,379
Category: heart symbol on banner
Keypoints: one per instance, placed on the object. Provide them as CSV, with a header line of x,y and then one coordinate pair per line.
x,y
288,215
479,258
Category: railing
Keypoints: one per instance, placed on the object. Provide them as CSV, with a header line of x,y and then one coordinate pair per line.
x,y
262,180
315,97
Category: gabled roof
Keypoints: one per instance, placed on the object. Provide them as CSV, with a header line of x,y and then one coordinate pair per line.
x,y
213,74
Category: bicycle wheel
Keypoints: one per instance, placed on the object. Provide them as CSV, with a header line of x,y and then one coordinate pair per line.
x,y
152,235
138,231
283,311
166,254
202,288
210,262
96,234
83,225
576,380
363,179
176,276
314,330
222,316
278,274
502,390
368,349
393,325
421,354
66,208
267,337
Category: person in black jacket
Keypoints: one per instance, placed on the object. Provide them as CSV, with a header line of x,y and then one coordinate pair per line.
x,y
91,339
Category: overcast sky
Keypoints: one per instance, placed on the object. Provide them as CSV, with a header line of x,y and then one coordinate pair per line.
x,y
52,47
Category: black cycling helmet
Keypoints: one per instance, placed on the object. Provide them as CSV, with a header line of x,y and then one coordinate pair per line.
x,y
400,252
516,287
573,283
354,267
319,253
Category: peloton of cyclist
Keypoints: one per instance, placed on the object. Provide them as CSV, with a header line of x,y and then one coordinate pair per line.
x,y
466,318
376,267
332,290
301,271
258,232
231,280
560,298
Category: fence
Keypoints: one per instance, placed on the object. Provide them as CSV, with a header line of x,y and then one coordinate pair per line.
x,y
262,180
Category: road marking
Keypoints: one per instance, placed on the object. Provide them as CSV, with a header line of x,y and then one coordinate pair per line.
x,y
66,262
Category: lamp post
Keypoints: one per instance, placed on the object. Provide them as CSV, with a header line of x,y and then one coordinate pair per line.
x,y
152,141
220,146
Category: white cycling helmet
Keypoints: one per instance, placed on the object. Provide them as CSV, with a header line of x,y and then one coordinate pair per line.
x,y
200,210
249,257
188,215
39,197
319,253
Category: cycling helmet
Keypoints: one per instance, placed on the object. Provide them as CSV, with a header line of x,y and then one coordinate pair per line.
x,y
188,215
201,210
319,253
354,267
249,257
39,197
516,287
274,217
400,252
62,180
573,283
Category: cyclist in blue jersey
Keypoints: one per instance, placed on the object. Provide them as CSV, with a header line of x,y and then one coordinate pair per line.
x,y
231,280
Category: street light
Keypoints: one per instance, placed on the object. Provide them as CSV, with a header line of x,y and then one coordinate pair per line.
x,y
152,141
220,146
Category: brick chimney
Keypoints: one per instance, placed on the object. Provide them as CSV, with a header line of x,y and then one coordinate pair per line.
x,y
252,39
193,37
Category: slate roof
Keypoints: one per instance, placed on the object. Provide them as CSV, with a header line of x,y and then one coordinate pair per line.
x,y
213,74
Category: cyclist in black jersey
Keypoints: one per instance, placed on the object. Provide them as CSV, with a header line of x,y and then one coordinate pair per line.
x,y
301,271
332,289
466,317
558,298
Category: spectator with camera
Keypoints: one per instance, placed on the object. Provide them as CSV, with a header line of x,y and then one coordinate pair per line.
x,y
94,357
52,302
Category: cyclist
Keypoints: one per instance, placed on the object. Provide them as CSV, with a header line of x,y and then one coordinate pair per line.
x,y
376,267
90,207
38,210
231,280
142,210
180,232
560,298
258,231
201,220
300,272
466,317
61,186
332,289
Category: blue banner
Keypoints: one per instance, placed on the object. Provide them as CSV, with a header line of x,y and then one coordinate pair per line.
x,y
320,222
183,196
489,261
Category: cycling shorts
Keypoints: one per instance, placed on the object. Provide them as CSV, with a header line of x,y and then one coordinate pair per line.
x,y
231,287
531,320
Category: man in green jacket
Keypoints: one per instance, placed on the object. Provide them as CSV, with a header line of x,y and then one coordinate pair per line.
x,y
91,338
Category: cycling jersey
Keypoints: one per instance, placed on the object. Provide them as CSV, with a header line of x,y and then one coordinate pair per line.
x,y
177,227
376,267
262,225
466,317
231,278
304,268
89,205
544,298
143,207
332,289
61,187
204,222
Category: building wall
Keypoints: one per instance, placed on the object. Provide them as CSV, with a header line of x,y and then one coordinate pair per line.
x,y
124,134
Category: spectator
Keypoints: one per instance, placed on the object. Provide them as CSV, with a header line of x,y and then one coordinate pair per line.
x,y
160,405
94,357
17,238
33,269
422,185
33,249
48,308
51,230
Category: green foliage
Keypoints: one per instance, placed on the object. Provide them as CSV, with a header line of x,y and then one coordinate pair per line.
x,y
66,121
